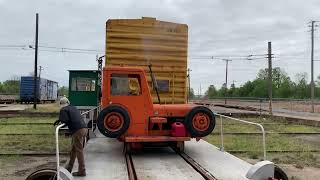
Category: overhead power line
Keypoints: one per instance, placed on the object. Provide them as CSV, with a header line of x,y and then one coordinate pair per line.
x,y
72,49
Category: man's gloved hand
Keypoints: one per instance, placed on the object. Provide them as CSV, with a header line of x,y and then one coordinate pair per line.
x,y
57,122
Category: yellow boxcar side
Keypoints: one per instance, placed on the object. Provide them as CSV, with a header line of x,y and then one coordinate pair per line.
x,y
139,42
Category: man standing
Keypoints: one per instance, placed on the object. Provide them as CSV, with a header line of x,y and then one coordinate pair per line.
x,y
71,116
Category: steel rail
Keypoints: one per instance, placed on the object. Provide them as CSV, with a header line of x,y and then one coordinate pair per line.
x,y
196,166
130,167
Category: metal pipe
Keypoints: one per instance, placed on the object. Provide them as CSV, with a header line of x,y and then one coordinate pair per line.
x,y
91,116
57,150
89,110
252,123
221,135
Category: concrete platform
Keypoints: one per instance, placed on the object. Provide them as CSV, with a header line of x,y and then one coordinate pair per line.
x,y
104,160
220,164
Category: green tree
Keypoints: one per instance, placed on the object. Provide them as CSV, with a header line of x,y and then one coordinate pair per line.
x,y
259,88
11,86
317,83
1,88
301,86
63,91
278,76
233,91
246,89
191,93
221,92
285,89
211,91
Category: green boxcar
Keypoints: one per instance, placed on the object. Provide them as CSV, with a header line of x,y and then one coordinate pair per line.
x,y
83,88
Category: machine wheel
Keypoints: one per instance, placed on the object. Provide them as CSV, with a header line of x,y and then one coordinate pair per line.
x,y
200,121
113,121
279,173
43,174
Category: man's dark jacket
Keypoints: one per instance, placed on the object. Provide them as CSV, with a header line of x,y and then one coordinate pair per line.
x,y
71,116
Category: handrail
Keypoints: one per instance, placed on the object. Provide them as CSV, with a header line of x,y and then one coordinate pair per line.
x,y
57,150
98,108
89,110
247,122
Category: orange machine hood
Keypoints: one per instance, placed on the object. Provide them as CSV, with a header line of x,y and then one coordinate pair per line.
x,y
173,110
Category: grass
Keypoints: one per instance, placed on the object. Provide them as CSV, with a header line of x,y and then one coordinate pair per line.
x,y
8,126
274,142
33,142
27,129
269,126
30,120
252,144
51,108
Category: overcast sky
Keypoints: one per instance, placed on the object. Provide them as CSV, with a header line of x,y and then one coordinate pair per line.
x,y
216,28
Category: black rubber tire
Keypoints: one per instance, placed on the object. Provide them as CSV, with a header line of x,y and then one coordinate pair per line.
x,y
43,174
188,121
279,173
102,115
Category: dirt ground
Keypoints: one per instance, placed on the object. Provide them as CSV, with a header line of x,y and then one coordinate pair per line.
x,y
306,173
295,173
18,168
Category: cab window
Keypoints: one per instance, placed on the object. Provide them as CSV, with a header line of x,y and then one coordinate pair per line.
x,y
125,85
83,84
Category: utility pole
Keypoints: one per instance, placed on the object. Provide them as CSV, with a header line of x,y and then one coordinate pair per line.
x,y
226,82
35,97
270,77
40,69
312,60
189,88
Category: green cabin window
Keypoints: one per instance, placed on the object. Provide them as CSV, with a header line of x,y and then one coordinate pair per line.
x,y
83,84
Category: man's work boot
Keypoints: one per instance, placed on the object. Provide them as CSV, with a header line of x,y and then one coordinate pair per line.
x,y
79,173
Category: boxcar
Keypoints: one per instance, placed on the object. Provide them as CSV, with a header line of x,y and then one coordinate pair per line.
x,y
47,90
140,42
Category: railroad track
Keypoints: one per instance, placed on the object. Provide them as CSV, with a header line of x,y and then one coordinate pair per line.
x,y
195,165
130,167
130,158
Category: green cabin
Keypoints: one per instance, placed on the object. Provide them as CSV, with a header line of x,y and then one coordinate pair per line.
x,y
84,88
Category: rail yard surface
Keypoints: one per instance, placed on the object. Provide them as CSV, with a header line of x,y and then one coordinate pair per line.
x,y
27,143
